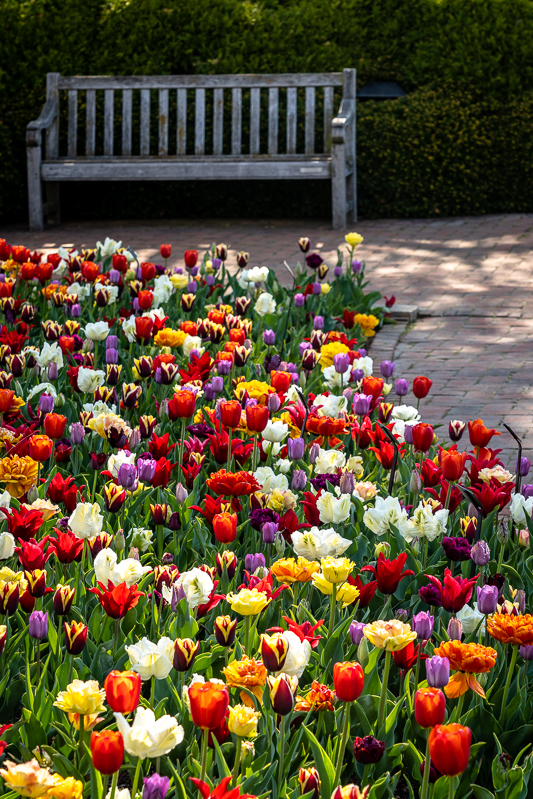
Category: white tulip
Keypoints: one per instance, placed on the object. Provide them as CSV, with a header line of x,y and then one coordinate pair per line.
x,y
298,655
333,510
265,304
258,274
276,432
284,465
470,618
129,571
333,378
117,459
386,512
5,500
329,460
315,544
86,521
129,329
81,291
269,481
399,429
97,331
152,660
330,405
104,564
405,413
109,247
521,506
197,585
423,523
90,379
147,737
47,388
50,353
7,546
366,364
192,343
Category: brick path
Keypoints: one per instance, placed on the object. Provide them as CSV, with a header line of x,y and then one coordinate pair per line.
x,y
471,279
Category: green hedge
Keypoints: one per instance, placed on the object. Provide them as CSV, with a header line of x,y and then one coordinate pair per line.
x,y
454,150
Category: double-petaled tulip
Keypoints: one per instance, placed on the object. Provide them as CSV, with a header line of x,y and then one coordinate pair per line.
x,y
257,417
226,560
107,749
225,527
75,637
274,650
422,436
368,750
208,703
452,464
282,690
449,748
185,651
225,628
349,680
243,721
123,690
54,425
430,707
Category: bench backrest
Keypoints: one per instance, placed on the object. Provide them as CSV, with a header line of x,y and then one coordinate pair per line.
x,y
199,115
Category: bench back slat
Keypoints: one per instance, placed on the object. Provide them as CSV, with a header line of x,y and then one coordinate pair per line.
x,y
309,120
163,122
109,104
236,121
72,123
181,131
255,120
218,121
126,122
292,99
90,123
328,116
273,120
199,124
281,80
145,122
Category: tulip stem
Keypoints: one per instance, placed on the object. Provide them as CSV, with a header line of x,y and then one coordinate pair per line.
x,y
237,765
203,768
332,610
427,769
81,749
136,777
114,785
417,669
246,633
366,775
451,790
152,693
281,753
508,680
182,442
383,697
228,461
115,639
342,748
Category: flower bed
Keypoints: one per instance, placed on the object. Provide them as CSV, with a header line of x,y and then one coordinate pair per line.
x,y
236,557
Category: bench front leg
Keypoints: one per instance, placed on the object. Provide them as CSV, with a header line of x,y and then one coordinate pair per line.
x,y
35,186
338,176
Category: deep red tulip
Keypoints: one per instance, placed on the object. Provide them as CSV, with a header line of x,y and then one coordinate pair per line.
x,y
389,573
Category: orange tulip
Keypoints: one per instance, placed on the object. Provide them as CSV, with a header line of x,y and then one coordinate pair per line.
x,y
230,413
182,405
281,381
54,425
349,680
430,707
225,527
6,398
452,464
449,748
480,435
107,748
257,418
40,448
123,690
209,702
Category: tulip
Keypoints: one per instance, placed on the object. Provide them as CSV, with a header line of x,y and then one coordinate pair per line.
x,y
368,750
480,553
254,561
348,679
309,781
75,637
456,429
38,625
257,417
40,448
185,651
295,449
63,599
225,629
226,560
54,425
282,690
9,597
422,436
452,464
107,749
423,625
402,387
421,387
155,787
274,650
356,632
449,748
438,671
208,703
225,527
230,413
487,599
123,690
430,707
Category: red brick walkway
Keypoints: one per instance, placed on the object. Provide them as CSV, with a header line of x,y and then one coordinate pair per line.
x,y
471,278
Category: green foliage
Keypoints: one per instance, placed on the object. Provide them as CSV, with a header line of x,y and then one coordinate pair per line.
x,y
419,156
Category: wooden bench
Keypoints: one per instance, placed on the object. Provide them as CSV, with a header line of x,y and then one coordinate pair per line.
x,y
186,152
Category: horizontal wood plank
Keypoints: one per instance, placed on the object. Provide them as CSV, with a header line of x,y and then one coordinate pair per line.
x,y
201,81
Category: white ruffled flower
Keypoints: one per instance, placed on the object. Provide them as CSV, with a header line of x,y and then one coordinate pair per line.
x,y
269,481
129,570
90,379
284,465
109,247
50,353
129,329
470,618
333,510
197,585
333,378
519,507
330,405
117,459
152,660
315,544
81,291
7,546
258,274
329,460
423,523
387,512
86,521
366,364
265,304
405,413
148,737
46,388
192,343
275,432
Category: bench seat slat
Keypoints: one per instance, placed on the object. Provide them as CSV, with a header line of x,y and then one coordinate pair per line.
x,y
255,129
264,81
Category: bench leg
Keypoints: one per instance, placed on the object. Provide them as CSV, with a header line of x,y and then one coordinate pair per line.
x,y
35,189
53,207
338,186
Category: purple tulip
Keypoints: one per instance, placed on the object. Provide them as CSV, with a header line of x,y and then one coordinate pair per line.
x,y
299,300
527,490
177,595
192,287
209,392
356,267
437,671
111,343
216,263
317,288
181,493
299,480
361,404
269,532
455,629
347,483
341,362
314,452
254,561
362,352
146,469
111,356
526,652
46,403
487,599
480,553
269,337
155,787
210,280
76,310
313,260
224,367
114,276
387,368
337,271
356,632
303,346
127,476
295,448
456,548
357,375
217,384
53,371
194,271
136,306
273,403
402,387
423,625
318,322
525,466
77,433
430,594
38,625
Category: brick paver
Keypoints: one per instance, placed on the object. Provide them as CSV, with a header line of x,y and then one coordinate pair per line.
x,y
472,279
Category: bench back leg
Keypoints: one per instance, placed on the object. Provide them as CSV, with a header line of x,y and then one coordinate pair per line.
x,y
35,189
338,185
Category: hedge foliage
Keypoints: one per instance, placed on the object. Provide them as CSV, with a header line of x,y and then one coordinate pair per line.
x,y
462,147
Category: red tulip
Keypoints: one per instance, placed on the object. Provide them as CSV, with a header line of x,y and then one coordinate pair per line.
x,y
480,435
117,600
349,681
430,707
209,702
107,749
191,258
389,573
449,748
422,437
421,386
225,527
165,250
123,690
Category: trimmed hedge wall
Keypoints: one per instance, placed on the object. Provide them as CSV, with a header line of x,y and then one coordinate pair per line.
x,y
460,143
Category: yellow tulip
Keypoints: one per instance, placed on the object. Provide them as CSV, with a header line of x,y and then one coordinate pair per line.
x,y
248,601
86,698
353,239
243,721
391,635
336,570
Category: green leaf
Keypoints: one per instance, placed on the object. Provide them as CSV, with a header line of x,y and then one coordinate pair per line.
x,y
323,764
481,793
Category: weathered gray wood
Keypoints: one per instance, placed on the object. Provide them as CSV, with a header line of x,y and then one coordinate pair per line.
x,y
163,122
109,114
255,121
52,132
236,121
291,120
218,121
181,133
350,95
328,116
273,119
145,122
310,120
199,123
187,168
72,131
263,81
127,103
35,189
90,122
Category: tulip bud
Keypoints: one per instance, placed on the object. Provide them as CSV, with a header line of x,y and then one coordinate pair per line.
x,y
9,597
33,494
487,599
526,652
299,480
456,430
282,691
362,652
274,649
383,548
525,466
402,614
468,526
423,625
438,671
314,452
119,542
503,532
228,560
279,544
523,538
185,651
455,629
520,600
356,632
75,637
309,780
225,629
347,483
415,483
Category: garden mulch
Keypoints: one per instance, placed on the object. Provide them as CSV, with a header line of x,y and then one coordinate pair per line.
x,y
471,278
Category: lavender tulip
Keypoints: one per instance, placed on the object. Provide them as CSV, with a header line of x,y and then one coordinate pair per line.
x,y
269,337
295,448
525,466
318,322
299,480
356,632
127,476
387,368
437,671
46,403
299,300
254,561
356,267
269,532
480,553
423,625
146,469
341,361
155,787
402,387
38,625
487,599
361,404
77,433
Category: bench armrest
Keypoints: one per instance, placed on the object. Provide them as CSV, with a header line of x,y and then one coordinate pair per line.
x,y
342,120
45,119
